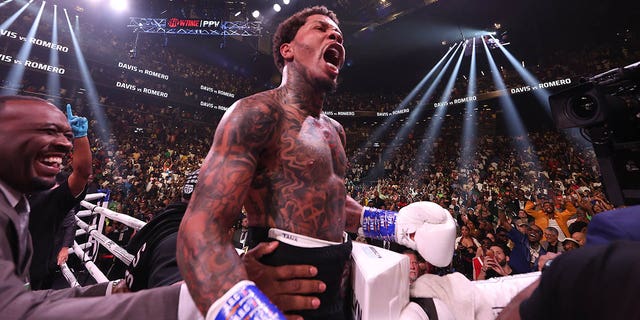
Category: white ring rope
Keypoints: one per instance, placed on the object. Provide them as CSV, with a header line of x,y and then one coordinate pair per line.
x,y
113,247
95,232
99,239
85,213
94,196
71,279
94,271
125,219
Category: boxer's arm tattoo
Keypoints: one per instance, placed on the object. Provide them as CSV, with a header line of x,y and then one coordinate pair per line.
x,y
353,211
207,260
353,222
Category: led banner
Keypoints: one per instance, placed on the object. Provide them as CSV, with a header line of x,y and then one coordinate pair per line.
x,y
215,106
178,23
543,85
144,71
8,59
140,89
137,79
512,91
38,42
217,91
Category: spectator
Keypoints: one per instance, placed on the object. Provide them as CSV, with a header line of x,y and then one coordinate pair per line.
x,y
570,244
414,268
497,263
465,248
580,237
527,249
551,244
548,216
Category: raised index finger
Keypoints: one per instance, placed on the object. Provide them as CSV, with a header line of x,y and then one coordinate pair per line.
x,y
69,114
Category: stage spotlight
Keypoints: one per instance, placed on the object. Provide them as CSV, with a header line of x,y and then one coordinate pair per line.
x,y
286,1
255,14
118,5
276,7
497,26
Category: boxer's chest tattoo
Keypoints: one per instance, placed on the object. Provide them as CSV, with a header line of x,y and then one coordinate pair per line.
x,y
309,177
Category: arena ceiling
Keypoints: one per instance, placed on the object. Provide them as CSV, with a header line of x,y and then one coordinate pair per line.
x,y
388,40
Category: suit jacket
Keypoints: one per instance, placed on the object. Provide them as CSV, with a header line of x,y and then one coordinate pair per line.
x,y
48,211
18,302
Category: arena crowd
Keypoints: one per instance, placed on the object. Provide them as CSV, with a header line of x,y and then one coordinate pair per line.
x,y
506,179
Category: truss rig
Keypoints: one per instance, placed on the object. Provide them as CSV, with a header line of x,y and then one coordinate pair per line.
x,y
195,27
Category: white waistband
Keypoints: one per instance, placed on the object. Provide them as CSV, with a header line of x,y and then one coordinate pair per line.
x,y
299,240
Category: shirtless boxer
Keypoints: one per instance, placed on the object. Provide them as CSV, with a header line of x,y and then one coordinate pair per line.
x,y
279,156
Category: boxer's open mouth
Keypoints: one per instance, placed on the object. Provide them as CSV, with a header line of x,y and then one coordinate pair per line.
x,y
334,55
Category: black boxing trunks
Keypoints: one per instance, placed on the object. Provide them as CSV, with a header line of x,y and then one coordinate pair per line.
x,y
330,258
154,251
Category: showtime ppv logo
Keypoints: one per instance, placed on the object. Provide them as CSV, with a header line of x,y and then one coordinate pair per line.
x,y
192,23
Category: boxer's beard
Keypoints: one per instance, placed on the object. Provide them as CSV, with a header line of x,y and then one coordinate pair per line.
x,y
328,86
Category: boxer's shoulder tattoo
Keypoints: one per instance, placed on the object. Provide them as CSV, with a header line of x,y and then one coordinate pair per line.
x,y
251,124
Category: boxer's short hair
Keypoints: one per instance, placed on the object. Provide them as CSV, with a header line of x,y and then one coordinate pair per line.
x,y
288,29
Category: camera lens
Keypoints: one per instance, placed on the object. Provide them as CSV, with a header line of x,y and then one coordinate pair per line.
x,y
584,107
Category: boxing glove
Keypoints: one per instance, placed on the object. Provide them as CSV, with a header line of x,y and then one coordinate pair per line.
x,y
244,301
424,226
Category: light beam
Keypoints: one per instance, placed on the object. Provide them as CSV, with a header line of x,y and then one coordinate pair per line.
x,y
468,141
92,94
53,79
17,70
433,130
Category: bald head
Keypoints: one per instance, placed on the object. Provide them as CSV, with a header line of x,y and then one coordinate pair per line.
x,y
34,138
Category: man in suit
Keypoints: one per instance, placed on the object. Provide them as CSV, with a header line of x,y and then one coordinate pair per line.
x,y
34,138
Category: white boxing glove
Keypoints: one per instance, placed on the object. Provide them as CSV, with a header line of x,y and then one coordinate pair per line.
x,y
244,301
424,226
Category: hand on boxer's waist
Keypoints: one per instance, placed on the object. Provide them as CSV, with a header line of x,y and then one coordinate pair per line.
x,y
289,287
